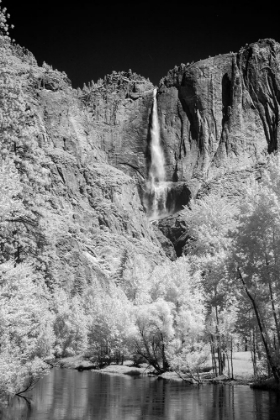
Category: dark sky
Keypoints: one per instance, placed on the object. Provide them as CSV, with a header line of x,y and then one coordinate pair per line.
x,y
89,38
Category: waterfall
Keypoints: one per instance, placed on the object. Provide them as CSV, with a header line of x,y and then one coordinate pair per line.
x,y
156,187
157,170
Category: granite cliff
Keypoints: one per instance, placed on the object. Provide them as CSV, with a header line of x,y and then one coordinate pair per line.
x,y
222,113
89,213
219,119
218,114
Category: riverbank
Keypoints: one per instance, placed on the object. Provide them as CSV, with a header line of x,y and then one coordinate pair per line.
x,y
242,367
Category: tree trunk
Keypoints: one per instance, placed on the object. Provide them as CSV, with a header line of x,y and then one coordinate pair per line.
x,y
271,294
228,366
254,355
231,361
220,360
165,364
212,345
274,368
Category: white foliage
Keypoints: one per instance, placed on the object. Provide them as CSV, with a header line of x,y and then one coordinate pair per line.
x,y
25,326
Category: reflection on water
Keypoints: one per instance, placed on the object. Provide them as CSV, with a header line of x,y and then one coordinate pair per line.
x,y
71,395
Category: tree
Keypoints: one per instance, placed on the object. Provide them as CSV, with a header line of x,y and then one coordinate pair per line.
x,y
26,334
70,324
210,221
190,361
135,279
110,323
173,318
26,322
257,246
12,211
4,25
155,324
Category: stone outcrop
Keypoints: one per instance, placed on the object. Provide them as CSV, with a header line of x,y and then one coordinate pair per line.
x,y
175,229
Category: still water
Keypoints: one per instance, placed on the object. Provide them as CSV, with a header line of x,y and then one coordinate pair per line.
x,y
71,395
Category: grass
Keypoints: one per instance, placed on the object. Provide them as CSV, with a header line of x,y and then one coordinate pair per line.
x,y
242,365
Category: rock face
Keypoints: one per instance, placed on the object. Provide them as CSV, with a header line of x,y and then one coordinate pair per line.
x,y
92,220
221,114
219,118
175,229
217,115
120,110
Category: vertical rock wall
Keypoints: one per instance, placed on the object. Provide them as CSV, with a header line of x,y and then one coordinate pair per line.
x,y
91,222
120,110
221,114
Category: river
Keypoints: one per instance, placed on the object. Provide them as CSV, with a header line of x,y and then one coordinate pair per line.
x,y
70,395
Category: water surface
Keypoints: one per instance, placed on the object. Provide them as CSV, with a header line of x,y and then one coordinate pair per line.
x,y
70,395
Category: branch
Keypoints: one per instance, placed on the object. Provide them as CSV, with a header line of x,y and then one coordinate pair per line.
x,y
25,221
31,384
186,379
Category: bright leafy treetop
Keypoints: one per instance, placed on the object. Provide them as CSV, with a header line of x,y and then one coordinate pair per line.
x,y
4,25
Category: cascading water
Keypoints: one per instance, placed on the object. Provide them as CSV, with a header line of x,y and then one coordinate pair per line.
x,y
161,197
157,169
156,187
